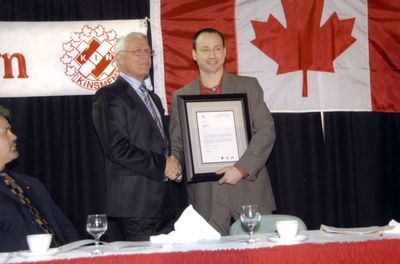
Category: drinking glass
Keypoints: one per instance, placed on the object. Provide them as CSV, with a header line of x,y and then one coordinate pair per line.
x,y
250,217
96,225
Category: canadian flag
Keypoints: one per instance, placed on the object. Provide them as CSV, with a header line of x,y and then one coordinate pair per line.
x,y
308,55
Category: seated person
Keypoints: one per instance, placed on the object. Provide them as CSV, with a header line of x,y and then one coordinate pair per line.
x,y
25,205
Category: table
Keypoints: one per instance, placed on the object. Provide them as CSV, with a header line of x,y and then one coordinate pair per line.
x,y
319,248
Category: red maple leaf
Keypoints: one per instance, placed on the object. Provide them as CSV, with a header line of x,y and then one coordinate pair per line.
x,y
303,45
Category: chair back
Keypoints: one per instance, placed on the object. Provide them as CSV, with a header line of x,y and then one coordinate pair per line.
x,y
267,224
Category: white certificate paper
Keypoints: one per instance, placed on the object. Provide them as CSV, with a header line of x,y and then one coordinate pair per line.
x,y
215,131
217,136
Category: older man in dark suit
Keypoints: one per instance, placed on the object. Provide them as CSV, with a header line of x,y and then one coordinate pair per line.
x,y
247,181
128,119
25,205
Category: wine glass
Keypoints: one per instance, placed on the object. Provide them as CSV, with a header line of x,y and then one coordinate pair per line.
x,y
96,225
250,217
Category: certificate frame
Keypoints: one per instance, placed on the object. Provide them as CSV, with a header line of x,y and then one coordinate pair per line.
x,y
198,114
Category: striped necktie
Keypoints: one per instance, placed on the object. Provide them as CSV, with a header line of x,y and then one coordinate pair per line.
x,y
153,111
19,192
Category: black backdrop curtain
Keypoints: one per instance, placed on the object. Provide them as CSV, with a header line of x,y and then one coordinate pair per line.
x,y
340,168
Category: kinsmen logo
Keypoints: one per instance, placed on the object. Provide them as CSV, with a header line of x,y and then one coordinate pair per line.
x,y
88,57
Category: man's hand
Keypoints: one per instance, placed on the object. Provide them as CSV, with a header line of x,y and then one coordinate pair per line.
x,y
173,168
231,175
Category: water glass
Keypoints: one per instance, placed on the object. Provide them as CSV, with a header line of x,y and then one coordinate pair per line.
x,y
96,225
250,217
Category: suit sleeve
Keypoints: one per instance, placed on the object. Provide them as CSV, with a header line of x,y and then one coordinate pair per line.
x,y
175,131
263,132
67,230
110,118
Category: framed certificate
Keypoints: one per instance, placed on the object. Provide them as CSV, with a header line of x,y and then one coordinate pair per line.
x,y
215,131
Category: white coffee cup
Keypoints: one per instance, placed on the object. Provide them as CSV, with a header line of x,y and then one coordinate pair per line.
x,y
287,229
39,243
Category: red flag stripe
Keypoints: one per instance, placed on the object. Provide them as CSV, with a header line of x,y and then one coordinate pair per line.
x,y
384,54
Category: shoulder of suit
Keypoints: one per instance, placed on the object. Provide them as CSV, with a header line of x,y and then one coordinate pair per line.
x,y
241,84
119,86
187,88
235,77
119,82
25,179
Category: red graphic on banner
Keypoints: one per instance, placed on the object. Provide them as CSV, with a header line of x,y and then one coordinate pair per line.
x,y
304,44
88,57
90,49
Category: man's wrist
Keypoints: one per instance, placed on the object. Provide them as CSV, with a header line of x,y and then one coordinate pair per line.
x,y
242,171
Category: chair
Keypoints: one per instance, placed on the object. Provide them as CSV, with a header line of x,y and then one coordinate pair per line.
x,y
267,224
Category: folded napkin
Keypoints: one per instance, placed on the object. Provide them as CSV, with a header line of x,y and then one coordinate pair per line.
x,y
393,227
190,227
353,230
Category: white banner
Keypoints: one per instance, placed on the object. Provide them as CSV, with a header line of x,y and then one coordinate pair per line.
x,y
59,58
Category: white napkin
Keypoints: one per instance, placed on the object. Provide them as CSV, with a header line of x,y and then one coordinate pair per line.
x,y
190,227
353,230
393,227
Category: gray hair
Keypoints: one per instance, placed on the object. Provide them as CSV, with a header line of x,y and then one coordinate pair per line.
x,y
120,44
4,112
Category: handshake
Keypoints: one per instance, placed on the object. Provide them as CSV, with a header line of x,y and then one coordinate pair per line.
x,y
173,170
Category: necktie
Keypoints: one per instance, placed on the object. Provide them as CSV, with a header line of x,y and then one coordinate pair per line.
x,y
150,106
19,192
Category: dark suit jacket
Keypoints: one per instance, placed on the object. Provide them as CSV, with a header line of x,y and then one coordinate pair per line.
x,y
256,188
134,152
16,221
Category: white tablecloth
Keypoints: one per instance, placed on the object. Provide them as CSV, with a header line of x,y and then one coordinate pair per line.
x,y
229,242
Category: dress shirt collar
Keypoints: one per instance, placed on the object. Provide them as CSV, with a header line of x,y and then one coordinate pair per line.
x,y
210,90
3,173
134,83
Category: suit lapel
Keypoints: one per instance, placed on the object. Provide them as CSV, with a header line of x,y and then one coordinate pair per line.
x,y
227,84
138,101
194,88
5,191
132,94
157,103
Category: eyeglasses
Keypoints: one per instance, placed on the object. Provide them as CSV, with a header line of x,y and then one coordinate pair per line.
x,y
140,52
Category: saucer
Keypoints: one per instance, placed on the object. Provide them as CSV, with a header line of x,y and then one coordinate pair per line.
x,y
277,239
29,254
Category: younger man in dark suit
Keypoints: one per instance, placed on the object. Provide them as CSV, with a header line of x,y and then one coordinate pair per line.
x,y
25,205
